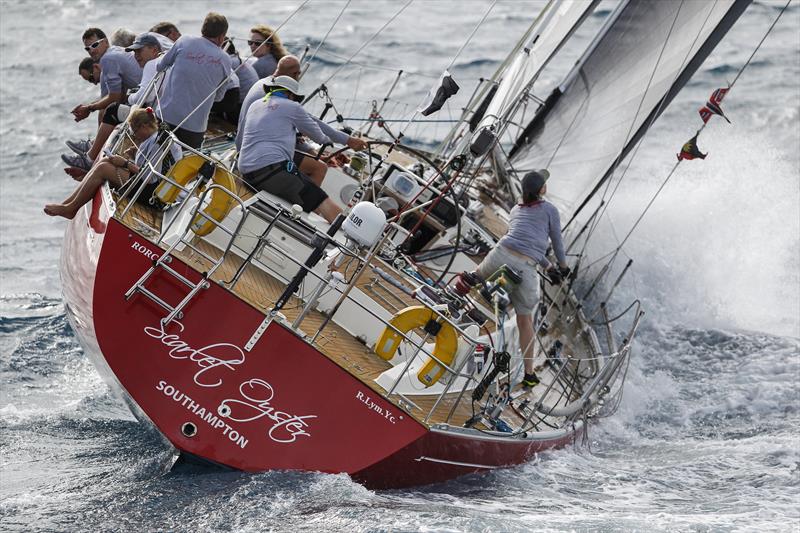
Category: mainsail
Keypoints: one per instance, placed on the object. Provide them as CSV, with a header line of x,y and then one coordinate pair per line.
x,y
643,56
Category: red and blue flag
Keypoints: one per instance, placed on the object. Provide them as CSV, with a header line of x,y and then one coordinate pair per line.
x,y
714,105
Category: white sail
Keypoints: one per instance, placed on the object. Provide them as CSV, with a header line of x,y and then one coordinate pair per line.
x,y
641,58
554,27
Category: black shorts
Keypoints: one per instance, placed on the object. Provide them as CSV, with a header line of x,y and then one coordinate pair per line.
x,y
193,139
228,108
147,192
111,114
291,186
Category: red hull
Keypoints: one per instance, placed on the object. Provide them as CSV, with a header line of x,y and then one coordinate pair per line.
x,y
283,405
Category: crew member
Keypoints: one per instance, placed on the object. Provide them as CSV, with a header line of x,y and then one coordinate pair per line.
x,y
533,225
119,72
289,65
198,69
268,141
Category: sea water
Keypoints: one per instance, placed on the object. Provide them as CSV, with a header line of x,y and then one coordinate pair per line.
x,y
706,436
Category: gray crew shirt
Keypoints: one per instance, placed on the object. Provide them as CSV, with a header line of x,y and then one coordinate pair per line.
x,y
247,75
197,68
270,132
529,229
148,73
257,92
264,65
119,71
148,153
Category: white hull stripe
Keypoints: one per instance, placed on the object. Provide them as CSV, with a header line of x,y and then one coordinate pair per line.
x,y
456,463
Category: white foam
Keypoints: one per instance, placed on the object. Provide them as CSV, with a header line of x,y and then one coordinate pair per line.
x,y
721,245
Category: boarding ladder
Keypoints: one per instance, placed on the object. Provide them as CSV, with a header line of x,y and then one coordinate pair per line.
x,y
163,262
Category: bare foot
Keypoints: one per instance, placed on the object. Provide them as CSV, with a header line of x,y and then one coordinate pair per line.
x,y
76,173
58,210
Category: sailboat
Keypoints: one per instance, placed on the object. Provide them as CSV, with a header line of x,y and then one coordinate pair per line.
x,y
256,337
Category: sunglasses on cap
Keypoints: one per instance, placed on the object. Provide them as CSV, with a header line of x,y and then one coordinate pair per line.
x,y
94,44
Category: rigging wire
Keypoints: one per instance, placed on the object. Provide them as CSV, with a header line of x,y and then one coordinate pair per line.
x,y
483,87
471,35
659,109
365,43
596,222
618,159
450,183
604,206
381,67
355,91
325,38
769,30
455,58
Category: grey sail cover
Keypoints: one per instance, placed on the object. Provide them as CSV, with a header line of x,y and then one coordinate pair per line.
x,y
646,52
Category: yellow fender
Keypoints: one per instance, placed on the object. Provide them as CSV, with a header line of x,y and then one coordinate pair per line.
x,y
220,205
417,317
184,171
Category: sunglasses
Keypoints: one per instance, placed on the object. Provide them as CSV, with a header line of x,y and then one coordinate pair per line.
x,y
256,43
94,44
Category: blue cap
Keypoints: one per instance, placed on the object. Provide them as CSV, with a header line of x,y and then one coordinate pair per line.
x,y
144,39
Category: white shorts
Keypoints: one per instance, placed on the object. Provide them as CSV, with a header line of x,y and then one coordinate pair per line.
x,y
524,295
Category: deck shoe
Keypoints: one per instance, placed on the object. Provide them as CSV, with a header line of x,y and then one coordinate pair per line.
x,y
79,147
530,380
78,160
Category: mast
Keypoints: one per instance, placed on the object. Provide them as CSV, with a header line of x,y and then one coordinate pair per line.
x,y
499,98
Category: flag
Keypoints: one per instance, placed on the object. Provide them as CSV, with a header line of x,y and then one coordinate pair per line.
x,y
691,151
437,96
714,105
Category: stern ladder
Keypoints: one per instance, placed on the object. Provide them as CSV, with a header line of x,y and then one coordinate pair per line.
x,y
164,260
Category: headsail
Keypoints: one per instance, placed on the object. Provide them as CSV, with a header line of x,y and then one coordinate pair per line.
x,y
556,25
640,60
499,97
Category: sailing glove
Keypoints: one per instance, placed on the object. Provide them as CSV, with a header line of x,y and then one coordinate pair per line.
x,y
554,275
